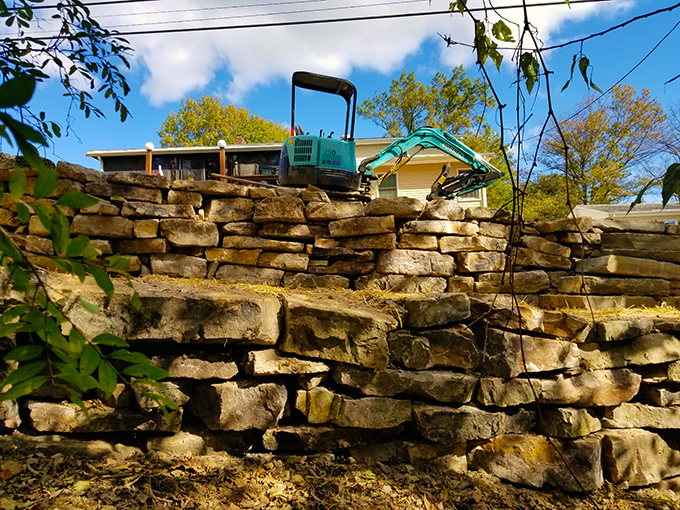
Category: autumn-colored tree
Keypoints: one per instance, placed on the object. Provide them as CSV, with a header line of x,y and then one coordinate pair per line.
x,y
205,121
608,141
455,104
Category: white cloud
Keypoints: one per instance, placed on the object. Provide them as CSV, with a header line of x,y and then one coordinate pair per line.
x,y
177,65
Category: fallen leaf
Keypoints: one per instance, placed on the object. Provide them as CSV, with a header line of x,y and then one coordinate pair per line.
x,y
10,468
81,486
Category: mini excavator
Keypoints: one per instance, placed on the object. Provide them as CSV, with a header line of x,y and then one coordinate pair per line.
x,y
331,163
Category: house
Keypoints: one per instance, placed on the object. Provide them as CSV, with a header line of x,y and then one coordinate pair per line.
x,y
244,159
648,212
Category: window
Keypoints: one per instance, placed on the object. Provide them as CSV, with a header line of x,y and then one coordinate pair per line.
x,y
388,188
471,195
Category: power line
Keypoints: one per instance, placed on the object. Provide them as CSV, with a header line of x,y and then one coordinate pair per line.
x,y
220,8
323,21
255,15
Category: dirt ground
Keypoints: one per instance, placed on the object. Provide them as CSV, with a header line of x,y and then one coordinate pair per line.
x,y
38,481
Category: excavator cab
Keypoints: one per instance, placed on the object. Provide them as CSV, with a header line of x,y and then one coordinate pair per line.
x,y
322,162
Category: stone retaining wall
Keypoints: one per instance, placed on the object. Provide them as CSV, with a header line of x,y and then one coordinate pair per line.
x,y
439,375
299,238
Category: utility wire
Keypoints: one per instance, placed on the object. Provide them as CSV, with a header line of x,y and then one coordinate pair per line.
x,y
220,8
259,14
323,21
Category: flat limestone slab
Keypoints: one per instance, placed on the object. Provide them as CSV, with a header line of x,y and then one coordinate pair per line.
x,y
174,311
629,266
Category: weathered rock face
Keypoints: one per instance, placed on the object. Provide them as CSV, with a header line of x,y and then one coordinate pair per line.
x,y
510,354
240,405
336,333
320,405
467,423
638,457
210,315
433,310
69,418
269,362
532,460
432,384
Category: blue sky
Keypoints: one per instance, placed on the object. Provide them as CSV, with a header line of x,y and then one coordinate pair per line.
x,y
252,67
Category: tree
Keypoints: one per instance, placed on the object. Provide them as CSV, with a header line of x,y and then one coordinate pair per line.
x,y
205,121
605,144
48,347
455,104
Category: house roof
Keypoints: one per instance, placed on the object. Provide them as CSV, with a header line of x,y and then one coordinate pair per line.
x,y
621,211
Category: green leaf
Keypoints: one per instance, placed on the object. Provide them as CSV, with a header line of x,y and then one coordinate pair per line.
x,y
571,74
77,200
9,249
146,370
76,246
44,214
17,183
161,400
135,301
129,357
24,388
671,183
61,232
530,67
107,378
24,353
102,279
76,341
638,198
23,373
89,360
112,341
79,270
92,308
461,5
9,329
17,91
501,32
23,212
47,182
118,263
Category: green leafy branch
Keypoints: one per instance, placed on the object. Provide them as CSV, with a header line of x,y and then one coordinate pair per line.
x,y
50,348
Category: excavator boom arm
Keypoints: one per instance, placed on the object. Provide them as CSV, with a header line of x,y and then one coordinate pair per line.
x,y
434,138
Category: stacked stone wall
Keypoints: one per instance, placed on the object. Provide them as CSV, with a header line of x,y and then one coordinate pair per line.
x,y
438,375
300,238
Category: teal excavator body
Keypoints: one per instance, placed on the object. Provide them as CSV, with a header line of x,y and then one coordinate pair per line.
x,y
330,164
323,162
